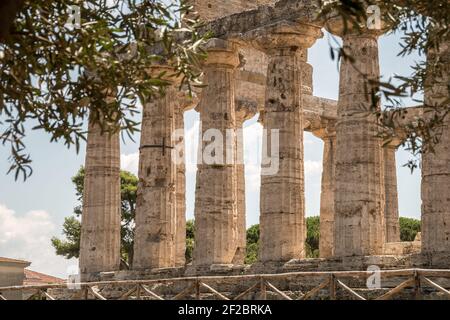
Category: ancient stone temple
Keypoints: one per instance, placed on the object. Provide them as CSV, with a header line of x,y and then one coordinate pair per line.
x,y
257,64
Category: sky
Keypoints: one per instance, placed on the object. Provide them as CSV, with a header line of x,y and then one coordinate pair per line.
x,y
32,212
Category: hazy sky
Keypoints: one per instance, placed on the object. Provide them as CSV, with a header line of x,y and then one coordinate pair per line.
x,y
32,212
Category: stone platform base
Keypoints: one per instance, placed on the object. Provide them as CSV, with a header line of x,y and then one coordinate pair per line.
x,y
402,248
386,262
294,278
360,263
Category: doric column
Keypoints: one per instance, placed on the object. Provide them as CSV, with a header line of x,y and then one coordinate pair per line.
x,y
391,213
244,111
359,197
185,103
326,243
215,197
436,165
100,222
282,220
156,225
241,236
180,189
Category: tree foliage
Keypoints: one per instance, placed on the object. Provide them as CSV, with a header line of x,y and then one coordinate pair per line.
x,y
252,244
190,240
312,236
52,74
311,245
409,228
70,247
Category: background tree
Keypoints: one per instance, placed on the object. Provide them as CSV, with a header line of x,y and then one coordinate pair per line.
x,y
70,246
252,244
8,11
409,228
312,236
311,245
190,240
53,74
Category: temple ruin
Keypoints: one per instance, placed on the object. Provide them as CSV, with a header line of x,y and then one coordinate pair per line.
x,y
258,64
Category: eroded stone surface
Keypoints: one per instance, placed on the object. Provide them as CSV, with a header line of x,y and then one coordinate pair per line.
x,y
156,212
243,112
436,165
359,197
391,213
282,220
100,225
215,197
327,211
180,195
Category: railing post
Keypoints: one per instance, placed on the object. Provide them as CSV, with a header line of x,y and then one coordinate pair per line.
x,y
197,289
85,292
332,287
138,292
417,287
263,289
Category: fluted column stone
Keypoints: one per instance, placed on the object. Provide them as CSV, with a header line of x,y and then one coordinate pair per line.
x,y
244,111
185,103
180,189
282,219
326,242
156,222
390,181
360,192
215,197
100,222
436,160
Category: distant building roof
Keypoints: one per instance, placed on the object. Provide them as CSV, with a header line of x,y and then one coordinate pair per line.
x,y
36,278
8,260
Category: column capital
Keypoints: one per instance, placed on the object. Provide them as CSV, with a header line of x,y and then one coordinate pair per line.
x,y
245,110
187,102
393,143
222,52
285,34
327,131
368,29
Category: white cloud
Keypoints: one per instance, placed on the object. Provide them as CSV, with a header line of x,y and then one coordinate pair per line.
x,y
253,178
313,167
191,140
130,162
253,136
28,237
